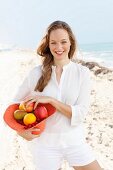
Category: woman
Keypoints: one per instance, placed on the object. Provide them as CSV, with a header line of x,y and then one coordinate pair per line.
x,y
65,85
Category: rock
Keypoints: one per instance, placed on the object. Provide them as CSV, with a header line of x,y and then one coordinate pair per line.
x,y
94,66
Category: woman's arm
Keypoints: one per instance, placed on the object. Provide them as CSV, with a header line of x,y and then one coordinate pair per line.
x,y
75,112
23,91
27,85
61,107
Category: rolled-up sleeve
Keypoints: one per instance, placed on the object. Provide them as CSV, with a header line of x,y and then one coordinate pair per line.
x,y
27,85
22,91
81,107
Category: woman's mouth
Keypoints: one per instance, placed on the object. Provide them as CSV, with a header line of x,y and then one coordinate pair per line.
x,y
59,52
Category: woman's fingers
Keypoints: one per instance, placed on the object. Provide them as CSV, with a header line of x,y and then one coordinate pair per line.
x,y
36,103
35,133
31,101
32,133
27,99
34,129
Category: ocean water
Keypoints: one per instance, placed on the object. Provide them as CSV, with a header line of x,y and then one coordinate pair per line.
x,y
98,52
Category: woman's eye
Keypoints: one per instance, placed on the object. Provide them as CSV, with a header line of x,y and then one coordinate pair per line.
x,y
53,43
64,42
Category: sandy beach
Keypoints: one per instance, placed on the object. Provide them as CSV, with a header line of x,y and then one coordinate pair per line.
x,y
14,153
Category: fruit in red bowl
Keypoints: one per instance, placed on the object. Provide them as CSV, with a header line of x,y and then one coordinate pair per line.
x,y
41,112
19,114
29,119
18,125
28,108
22,106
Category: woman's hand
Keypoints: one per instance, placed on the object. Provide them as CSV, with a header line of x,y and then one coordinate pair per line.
x,y
65,109
27,134
37,99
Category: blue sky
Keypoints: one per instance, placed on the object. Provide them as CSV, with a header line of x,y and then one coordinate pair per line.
x,y
23,22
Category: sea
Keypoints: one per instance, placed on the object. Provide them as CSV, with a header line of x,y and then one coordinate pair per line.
x,y
101,53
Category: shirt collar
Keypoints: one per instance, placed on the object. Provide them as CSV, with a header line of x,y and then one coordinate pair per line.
x,y
64,67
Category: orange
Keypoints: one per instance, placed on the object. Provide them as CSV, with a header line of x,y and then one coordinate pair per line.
x,y
29,119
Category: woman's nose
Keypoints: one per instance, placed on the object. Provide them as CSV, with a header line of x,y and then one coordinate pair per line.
x,y
59,46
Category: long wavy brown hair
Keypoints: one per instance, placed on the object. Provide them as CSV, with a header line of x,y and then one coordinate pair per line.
x,y
47,58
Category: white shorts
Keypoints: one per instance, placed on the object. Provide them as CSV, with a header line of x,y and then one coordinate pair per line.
x,y
51,158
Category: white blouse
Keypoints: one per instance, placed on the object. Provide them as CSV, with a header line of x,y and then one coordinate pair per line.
x,y
74,90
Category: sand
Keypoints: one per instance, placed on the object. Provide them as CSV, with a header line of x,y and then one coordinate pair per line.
x,y
14,154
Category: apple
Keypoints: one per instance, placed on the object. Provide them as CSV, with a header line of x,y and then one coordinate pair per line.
x,y
41,112
29,108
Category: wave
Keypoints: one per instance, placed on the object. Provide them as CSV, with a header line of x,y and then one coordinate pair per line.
x,y
105,58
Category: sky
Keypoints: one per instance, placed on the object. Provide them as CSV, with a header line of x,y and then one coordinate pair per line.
x,y
24,22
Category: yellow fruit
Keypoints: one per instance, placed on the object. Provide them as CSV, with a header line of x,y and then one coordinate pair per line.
x,y
29,119
22,106
19,114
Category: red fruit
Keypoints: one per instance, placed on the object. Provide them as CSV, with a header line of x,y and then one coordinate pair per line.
x,y
30,107
41,112
20,121
26,127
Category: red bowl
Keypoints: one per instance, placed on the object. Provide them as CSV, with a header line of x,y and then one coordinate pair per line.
x,y
12,123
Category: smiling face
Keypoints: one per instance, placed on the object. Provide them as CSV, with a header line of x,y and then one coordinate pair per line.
x,y
59,44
